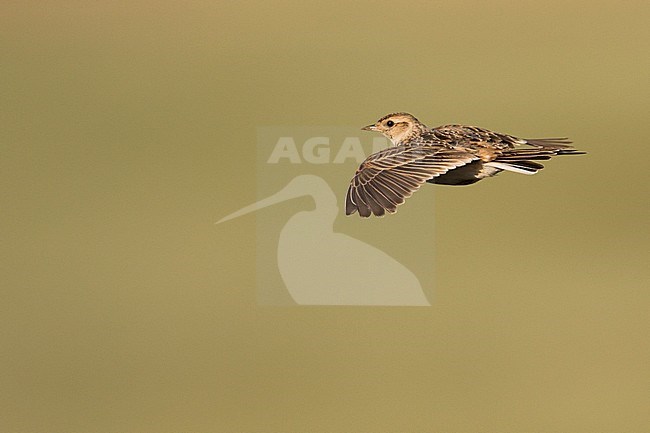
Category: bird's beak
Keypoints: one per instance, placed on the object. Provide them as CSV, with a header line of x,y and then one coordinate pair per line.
x,y
369,128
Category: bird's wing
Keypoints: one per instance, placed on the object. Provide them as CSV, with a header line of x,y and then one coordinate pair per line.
x,y
386,178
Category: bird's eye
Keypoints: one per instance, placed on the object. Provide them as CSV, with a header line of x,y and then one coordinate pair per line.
x,y
390,123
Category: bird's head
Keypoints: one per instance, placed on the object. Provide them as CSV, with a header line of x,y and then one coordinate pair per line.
x,y
397,127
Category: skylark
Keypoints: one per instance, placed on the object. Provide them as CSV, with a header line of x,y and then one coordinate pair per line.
x,y
447,155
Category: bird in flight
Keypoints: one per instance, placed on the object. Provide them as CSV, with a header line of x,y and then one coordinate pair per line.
x,y
446,155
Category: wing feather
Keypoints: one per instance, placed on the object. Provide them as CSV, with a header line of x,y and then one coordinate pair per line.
x,y
385,179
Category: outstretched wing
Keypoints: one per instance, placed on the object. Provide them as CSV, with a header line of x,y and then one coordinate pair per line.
x,y
385,179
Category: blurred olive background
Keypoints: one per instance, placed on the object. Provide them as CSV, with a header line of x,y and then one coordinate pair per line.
x,y
129,128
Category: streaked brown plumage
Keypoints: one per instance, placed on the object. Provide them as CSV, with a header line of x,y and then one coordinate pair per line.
x,y
447,155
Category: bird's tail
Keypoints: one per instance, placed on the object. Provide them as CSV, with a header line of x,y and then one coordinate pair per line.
x,y
524,160
549,143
